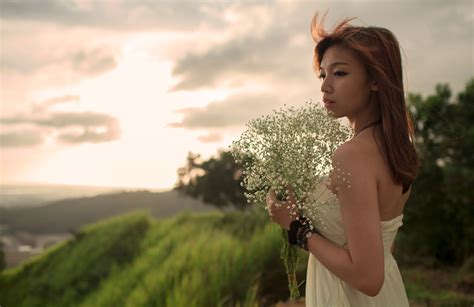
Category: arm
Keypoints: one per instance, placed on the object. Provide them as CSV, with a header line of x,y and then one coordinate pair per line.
x,y
361,264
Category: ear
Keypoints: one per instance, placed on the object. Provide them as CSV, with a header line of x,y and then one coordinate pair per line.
x,y
374,86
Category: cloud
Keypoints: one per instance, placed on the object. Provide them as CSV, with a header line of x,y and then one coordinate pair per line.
x,y
40,56
44,105
81,60
61,99
225,61
117,15
274,50
70,127
65,119
92,135
210,138
281,51
93,62
234,111
24,138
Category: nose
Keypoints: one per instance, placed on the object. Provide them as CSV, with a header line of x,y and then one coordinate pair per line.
x,y
325,86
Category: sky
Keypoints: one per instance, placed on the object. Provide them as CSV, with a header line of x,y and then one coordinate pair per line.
x,y
116,93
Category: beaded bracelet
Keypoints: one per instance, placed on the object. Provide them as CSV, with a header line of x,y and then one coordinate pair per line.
x,y
300,232
303,237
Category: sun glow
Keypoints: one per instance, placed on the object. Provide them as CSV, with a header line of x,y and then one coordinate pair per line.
x,y
137,94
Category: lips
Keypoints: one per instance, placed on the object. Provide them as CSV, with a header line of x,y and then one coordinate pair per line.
x,y
327,101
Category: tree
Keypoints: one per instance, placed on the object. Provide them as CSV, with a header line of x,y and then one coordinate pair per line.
x,y
215,181
3,263
439,211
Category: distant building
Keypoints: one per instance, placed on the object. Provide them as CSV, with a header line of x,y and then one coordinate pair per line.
x,y
23,245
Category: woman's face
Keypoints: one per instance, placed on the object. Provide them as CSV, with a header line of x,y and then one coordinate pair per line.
x,y
345,84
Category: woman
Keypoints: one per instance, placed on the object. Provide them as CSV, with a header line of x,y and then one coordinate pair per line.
x,y
350,261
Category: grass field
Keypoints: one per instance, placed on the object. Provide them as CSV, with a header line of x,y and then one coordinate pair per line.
x,y
205,259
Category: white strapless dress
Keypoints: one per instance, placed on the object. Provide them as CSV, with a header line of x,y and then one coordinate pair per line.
x,y
325,289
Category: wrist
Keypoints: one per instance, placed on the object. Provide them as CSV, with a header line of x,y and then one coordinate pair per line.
x,y
295,225
304,236
300,231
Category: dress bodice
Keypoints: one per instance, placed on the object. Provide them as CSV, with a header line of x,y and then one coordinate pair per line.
x,y
324,211
323,288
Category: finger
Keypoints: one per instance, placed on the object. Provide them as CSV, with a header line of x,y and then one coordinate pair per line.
x,y
291,195
273,197
270,202
267,198
269,195
290,191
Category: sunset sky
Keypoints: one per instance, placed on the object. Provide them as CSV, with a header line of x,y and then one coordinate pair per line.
x,y
115,93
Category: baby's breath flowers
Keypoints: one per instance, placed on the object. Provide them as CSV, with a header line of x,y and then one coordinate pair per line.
x,y
293,146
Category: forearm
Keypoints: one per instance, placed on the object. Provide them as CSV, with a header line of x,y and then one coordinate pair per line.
x,y
336,259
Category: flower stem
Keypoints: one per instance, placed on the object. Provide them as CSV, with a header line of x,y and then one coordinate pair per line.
x,y
289,255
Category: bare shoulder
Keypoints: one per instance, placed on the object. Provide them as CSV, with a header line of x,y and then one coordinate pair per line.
x,y
351,167
353,153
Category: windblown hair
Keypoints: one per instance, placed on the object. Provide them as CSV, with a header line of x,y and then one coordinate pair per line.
x,y
379,51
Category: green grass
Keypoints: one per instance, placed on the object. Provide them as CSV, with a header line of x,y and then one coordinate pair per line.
x,y
207,259
73,269
195,261
212,259
437,287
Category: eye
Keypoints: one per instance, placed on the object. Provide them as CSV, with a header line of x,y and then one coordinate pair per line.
x,y
340,73
321,76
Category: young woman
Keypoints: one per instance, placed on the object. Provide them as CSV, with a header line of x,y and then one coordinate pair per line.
x,y
350,261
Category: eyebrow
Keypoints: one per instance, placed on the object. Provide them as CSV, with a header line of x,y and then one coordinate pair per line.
x,y
334,64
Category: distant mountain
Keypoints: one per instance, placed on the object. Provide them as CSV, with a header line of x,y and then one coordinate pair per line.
x,y
68,215
38,194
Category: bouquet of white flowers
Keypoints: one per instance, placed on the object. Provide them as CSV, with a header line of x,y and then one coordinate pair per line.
x,y
292,146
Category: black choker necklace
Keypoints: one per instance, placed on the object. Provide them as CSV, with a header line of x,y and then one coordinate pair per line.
x,y
367,126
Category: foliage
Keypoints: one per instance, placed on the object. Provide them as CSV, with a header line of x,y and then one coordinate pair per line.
x,y
213,259
438,219
215,181
2,257
69,271
436,287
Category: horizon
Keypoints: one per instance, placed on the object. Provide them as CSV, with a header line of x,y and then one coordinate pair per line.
x,y
33,183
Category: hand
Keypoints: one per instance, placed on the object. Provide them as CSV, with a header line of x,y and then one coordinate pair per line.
x,y
282,212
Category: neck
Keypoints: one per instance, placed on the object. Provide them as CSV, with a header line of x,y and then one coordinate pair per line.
x,y
368,115
359,123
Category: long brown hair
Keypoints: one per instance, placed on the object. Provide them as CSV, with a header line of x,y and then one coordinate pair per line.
x,y
379,51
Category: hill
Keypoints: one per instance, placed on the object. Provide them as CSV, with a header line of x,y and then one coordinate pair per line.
x,y
211,259
69,215
24,194
205,259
